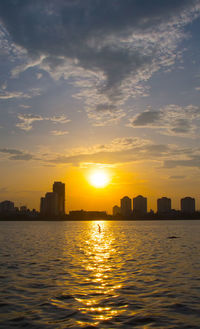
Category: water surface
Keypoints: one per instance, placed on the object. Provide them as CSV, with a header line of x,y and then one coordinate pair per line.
x,y
70,275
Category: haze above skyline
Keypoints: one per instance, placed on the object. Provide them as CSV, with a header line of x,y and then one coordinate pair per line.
x,y
94,84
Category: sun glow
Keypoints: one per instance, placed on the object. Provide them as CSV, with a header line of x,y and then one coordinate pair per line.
x,y
99,178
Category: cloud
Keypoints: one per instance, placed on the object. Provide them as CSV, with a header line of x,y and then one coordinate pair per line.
x,y
58,119
109,49
171,120
11,95
146,118
177,177
59,132
25,106
192,162
27,120
120,150
18,94
15,154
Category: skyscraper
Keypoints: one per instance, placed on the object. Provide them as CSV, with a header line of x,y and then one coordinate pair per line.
x,y
126,206
43,206
164,205
188,205
51,204
59,189
140,205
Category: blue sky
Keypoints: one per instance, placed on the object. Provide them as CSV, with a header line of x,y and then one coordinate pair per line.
x,y
100,83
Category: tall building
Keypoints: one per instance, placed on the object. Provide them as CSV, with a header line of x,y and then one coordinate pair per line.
x,y
163,205
59,188
140,205
116,210
51,204
188,205
43,206
126,206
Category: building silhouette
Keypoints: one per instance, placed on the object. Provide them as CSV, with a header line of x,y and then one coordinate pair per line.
x,y
140,205
59,189
7,207
87,215
188,205
51,204
42,206
126,209
164,205
116,210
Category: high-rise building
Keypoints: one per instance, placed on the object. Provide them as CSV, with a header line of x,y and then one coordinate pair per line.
x,y
164,205
126,206
43,206
116,210
140,205
51,204
59,188
188,205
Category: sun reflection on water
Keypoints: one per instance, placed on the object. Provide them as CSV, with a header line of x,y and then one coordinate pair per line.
x,y
99,262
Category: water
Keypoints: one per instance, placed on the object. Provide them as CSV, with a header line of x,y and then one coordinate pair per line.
x,y
130,275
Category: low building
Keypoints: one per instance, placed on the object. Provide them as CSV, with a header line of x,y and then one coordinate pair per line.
x,y
87,215
116,210
7,207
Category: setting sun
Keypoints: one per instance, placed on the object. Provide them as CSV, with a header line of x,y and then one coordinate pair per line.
x,y
99,178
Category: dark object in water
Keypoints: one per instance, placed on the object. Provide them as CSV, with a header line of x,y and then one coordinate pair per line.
x,y
172,237
99,228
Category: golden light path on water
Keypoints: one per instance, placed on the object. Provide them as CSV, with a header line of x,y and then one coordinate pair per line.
x,y
99,262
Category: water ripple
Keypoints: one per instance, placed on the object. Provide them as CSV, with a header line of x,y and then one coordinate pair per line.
x,y
68,275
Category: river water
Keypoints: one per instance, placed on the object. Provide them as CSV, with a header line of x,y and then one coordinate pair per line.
x,y
128,275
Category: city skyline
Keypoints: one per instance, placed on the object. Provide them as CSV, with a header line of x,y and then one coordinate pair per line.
x,y
54,204
91,87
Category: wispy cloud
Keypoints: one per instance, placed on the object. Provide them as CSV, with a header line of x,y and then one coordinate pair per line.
x,y
27,120
4,94
59,132
11,95
109,49
119,151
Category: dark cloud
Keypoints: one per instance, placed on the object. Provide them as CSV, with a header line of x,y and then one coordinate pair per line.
x,y
96,33
177,177
105,107
11,151
24,157
194,161
146,118
16,154
173,119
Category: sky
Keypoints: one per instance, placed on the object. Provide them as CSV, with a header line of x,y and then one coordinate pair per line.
x,y
99,84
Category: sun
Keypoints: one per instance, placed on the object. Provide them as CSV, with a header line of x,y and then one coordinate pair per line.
x,y
99,178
